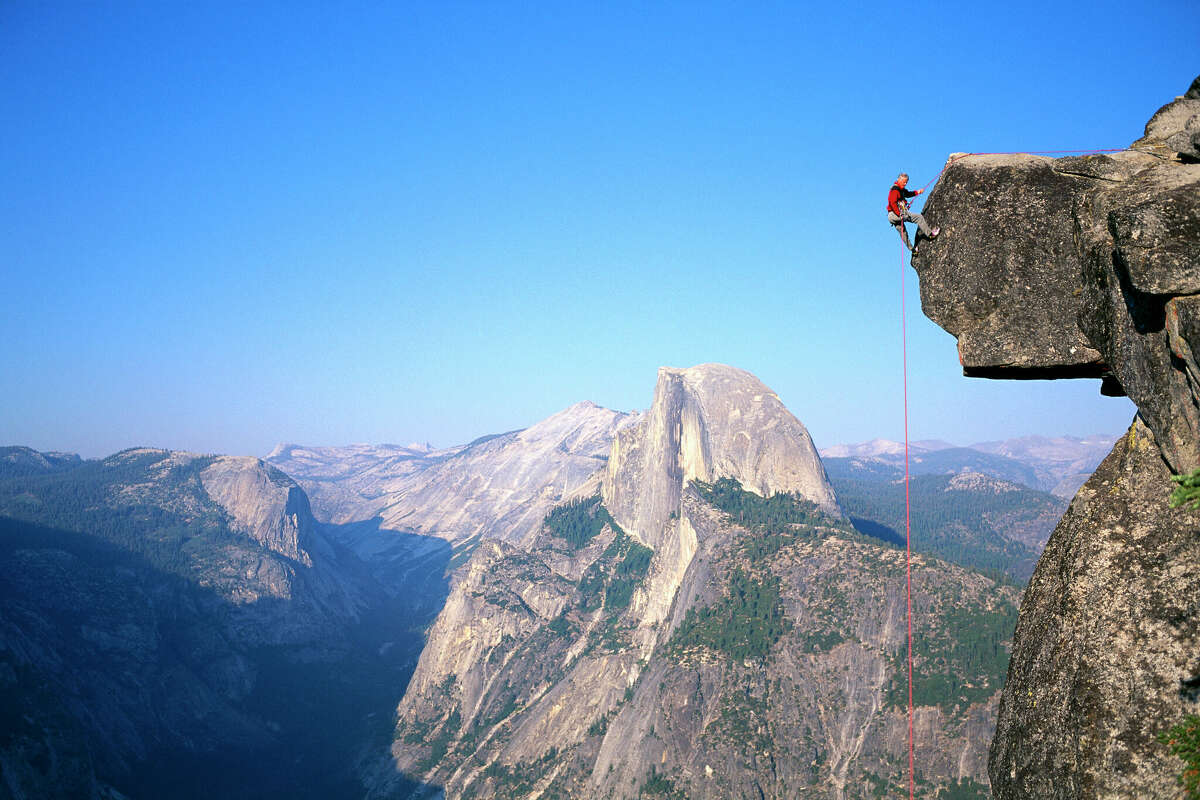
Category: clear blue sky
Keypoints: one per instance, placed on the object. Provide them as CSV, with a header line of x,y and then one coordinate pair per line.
x,y
228,225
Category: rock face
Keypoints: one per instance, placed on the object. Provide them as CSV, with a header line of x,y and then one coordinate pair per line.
x,y
1175,128
1097,276
707,422
263,503
675,649
497,487
1108,642
347,484
1016,307
502,487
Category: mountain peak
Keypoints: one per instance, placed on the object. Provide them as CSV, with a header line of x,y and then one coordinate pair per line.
x,y
707,422
282,450
713,375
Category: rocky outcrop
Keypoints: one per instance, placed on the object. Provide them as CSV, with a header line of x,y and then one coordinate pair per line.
x,y
1098,275
707,422
1175,128
1078,267
1006,283
263,503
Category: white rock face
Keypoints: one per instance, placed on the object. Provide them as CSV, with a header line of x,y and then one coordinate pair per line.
x,y
497,487
493,649
263,503
708,422
348,484
503,487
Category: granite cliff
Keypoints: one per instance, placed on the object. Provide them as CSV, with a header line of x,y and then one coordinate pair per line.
x,y
1097,276
501,487
706,624
708,422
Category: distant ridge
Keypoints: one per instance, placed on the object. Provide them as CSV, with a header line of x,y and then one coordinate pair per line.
x,y
877,448
1055,464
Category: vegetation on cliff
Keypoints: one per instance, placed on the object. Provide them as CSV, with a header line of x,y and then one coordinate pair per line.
x,y
748,619
1187,490
773,514
745,623
578,521
611,579
1183,740
962,658
962,650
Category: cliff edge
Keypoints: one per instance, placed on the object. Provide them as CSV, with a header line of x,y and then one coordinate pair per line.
x,y
1090,267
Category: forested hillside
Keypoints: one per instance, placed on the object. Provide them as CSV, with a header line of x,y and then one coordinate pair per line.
x,y
967,518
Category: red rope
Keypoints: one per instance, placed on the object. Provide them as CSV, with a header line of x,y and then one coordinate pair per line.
x,y
907,529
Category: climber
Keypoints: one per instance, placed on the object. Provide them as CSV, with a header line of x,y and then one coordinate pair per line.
x,y
898,213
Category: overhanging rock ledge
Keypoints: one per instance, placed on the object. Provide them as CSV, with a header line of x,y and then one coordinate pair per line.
x,y
1090,267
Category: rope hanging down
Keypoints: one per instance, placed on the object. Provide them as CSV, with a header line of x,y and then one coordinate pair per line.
x,y
907,527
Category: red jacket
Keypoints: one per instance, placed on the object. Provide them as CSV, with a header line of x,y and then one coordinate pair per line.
x,y
896,196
